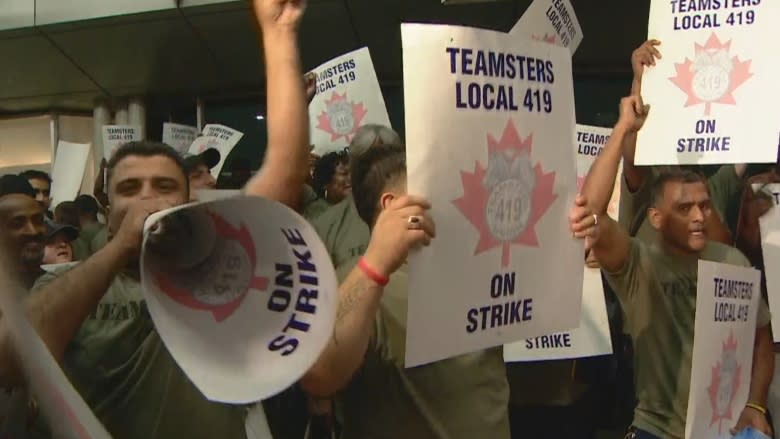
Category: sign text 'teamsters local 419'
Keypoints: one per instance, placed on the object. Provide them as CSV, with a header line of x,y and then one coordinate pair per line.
x,y
713,92
490,124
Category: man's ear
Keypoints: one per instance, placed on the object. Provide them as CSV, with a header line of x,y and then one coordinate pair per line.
x,y
385,199
655,217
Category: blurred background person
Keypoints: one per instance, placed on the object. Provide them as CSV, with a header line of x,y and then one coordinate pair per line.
x,y
198,167
58,248
41,184
22,230
67,213
89,227
331,183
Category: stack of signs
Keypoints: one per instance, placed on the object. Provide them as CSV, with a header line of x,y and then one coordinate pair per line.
x,y
68,171
115,136
219,137
592,336
727,300
242,292
550,21
491,118
66,413
710,91
179,137
348,97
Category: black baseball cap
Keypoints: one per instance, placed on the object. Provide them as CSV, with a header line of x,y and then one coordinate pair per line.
x,y
210,157
15,184
52,229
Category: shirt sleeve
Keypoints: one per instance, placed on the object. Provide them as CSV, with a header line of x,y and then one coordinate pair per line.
x,y
633,205
634,275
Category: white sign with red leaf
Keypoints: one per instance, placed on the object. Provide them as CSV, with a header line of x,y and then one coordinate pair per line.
x,y
179,137
243,293
709,92
727,300
348,97
219,137
493,153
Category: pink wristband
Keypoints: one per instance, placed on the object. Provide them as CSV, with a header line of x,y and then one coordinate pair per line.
x,y
381,280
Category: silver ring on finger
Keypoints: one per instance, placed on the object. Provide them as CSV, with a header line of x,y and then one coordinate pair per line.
x,y
595,219
414,222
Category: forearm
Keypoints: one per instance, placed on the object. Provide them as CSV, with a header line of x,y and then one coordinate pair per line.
x,y
600,181
58,310
763,367
359,299
286,159
634,175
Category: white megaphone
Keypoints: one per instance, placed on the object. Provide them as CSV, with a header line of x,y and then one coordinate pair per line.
x,y
243,293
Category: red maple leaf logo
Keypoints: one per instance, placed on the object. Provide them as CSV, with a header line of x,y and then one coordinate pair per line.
x,y
545,39
725,383
712,76
226,279
341,118
508,198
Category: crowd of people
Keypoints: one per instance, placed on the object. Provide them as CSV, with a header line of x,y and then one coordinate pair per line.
x,y
79,264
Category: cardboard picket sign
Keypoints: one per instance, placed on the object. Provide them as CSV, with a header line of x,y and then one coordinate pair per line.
x,y
590,142
770,248
590,339
727,301
115,136
243,293
219,137
492,152
65,412
348,97
550,21
68,171
709,92
179,137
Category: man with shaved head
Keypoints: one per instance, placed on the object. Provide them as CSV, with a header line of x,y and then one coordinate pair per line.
x,y
22,229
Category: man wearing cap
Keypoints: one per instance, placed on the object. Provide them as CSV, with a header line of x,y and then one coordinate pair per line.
x,y
22,229
93,317
59,239
198,169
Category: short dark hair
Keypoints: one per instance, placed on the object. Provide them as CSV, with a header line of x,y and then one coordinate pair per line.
x,y
672,176
325,169
372,171
15,184
67,213
146,149
34,174
87,205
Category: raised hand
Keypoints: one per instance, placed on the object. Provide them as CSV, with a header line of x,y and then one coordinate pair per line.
x,y
403,225
583,223
633,113
644,55
279,14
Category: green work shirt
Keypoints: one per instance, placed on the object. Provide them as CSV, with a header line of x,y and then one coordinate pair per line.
x,y
344,233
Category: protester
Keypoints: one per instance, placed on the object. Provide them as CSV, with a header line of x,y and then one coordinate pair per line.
x,y
22,232
199,170
89,229
331,182
41,183
656,284
59,239
461,397
724,186
342,230
92,316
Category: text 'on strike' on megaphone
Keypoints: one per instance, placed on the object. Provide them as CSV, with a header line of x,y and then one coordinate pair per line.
x,y
243,293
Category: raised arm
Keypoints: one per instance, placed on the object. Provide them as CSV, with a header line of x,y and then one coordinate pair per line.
x,y
284,169
360,295
602,174
645,55
58,309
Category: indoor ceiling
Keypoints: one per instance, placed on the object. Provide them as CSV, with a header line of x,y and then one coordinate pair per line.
x,y
212,51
